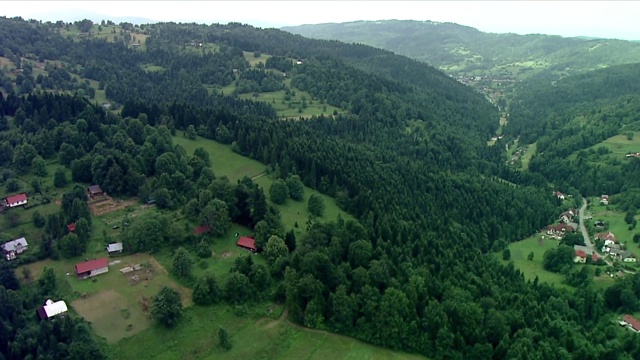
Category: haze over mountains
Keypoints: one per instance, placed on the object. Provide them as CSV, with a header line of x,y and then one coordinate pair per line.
x,y
463,50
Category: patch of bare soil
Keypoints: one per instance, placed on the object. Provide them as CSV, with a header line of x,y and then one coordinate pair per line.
x,y
107,204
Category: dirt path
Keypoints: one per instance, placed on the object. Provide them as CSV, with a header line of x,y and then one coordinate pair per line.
x,y
259,175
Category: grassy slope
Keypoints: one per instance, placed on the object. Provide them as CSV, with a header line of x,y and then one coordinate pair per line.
x,y
225,162
531,150
253,336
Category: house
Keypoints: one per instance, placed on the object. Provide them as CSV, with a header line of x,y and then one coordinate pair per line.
x,y
608,248
558,230
71,227
94,191
114,248
631,322
604,199
92,268
51,309
607,237
247,243
599,224
567,216
202,229
633,155
559,195
16,200
14,248
580,257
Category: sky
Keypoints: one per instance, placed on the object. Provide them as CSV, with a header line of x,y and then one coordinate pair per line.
x,y
610,19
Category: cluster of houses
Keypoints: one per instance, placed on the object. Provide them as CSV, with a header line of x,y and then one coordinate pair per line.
x,y
613,248
584,252
565,225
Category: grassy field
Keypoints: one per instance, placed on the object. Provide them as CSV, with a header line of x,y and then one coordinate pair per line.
x,y
290,109
227,163
114,300
531,149
257,335
253,61
521,249
619,146
532,268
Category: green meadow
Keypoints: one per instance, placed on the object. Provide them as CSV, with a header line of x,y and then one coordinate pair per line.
x,y
225,162
262,333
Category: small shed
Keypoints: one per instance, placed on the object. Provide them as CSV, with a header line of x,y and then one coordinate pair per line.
x,y
51,309
94,191
114,248
247,243
14,248
92,268
71,227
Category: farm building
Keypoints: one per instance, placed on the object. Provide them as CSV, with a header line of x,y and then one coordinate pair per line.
x,y
14,248
631,322
114,248
202,229
94,191
16,200
247,243
92,268
51,309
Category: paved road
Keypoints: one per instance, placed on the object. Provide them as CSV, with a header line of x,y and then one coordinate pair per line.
x,y
585,233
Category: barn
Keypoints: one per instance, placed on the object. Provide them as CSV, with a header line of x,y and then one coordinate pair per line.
x,y
92,268
247,243
16,200
51,309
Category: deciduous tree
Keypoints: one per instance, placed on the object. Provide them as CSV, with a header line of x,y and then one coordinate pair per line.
x,y
166,307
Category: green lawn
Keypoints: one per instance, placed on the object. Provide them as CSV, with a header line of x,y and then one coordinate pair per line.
x,y
255,60
619,145
257,335
521,249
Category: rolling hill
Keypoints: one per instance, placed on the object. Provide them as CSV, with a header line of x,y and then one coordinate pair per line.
x,y
466,51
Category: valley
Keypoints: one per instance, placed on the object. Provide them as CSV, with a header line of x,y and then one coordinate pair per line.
x,y
224,191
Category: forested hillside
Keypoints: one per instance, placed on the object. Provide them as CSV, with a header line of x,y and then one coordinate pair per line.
x,y
461,50
407,158
573,114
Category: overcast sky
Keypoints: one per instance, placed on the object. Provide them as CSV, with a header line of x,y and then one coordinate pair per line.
x,y
567,18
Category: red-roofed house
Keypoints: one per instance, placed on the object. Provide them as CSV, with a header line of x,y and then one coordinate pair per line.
x,y
559,195
92,268
16,200
247,243
633,323
580,257
71,227
202,229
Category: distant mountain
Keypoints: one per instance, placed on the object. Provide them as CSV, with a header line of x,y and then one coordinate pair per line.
x,y
463,50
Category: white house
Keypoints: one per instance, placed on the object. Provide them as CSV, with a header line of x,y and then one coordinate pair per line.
x,y
14,248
